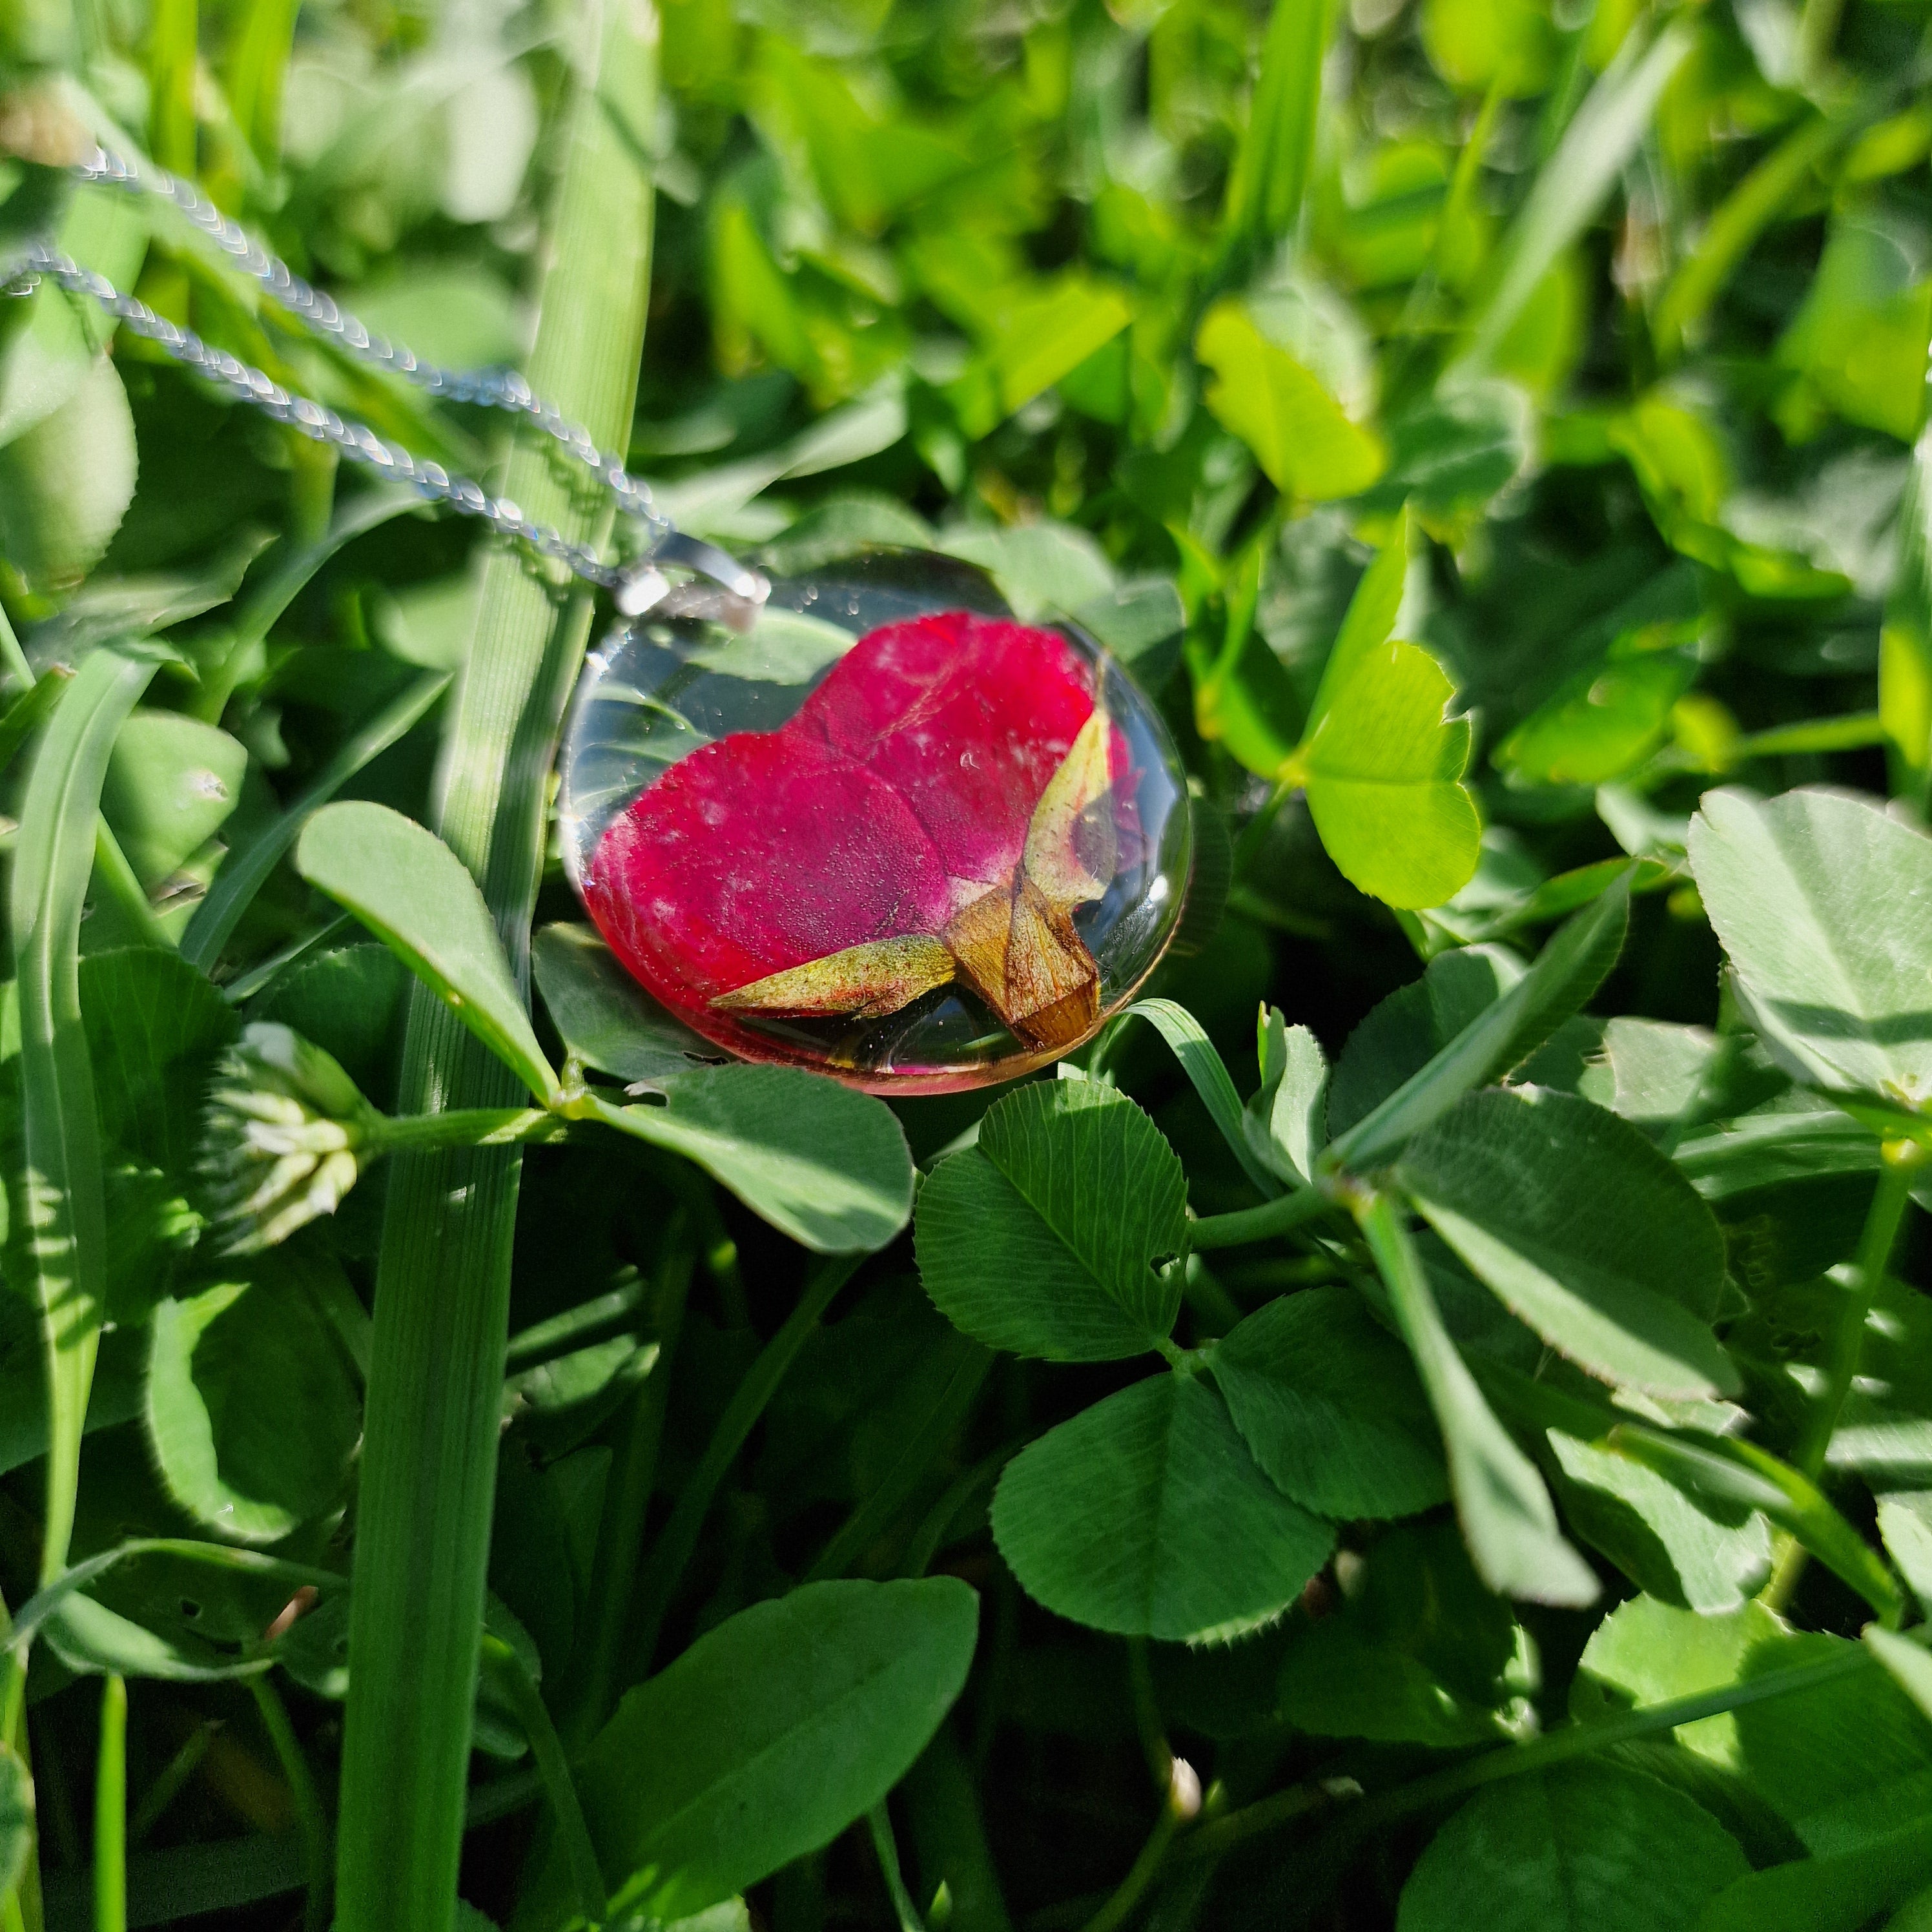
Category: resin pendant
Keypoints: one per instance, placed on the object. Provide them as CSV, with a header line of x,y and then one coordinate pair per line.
x,y
874,826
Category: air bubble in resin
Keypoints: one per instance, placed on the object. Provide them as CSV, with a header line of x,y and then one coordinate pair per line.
x,y
877,827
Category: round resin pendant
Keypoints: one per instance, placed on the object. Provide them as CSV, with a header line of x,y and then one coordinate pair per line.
x,y
875,826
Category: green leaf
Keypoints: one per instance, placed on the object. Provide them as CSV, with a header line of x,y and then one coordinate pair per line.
x,y
1146,1516
16,1819
1285,1119
1578,1848
1188,1040
1475,45
53,857
1566,972
1369,621
1834,1893
1909,1663
1269,176
1299,433
1382,771
827,1166
1843,1762
1505,1509
347,1001
1824,903
1667,1545
252,1412
1047,333
1727,1471
606,1019
1044,1238
1402,1034
1338,1682
155,1027
66,483
1569,189
410,890
1860,337
1330,1406
1600,723
172,783
1623,1277
1905,1522
1454,453
769,1735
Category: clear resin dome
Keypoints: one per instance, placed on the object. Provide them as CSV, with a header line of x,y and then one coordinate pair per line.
x,y
875,826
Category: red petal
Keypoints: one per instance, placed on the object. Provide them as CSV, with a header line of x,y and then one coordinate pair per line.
x,y
966,718
755,854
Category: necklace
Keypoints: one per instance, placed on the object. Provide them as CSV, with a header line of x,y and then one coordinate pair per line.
x,y
860,820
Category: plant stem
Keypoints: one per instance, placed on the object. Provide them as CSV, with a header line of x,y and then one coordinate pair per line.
x,y
1259,1224
627,1502
1901,1161
1554,1747
110,1810
547,1748
442,1278
463,1127
310,1816
879,1821
672,1550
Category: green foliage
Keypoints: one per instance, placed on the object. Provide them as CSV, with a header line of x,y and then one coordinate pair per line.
x,y
769,1735
1054,1235
412,892
1586,1845
1494,436
1145,1516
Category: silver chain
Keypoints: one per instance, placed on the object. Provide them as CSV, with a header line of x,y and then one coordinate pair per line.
x,y
635,584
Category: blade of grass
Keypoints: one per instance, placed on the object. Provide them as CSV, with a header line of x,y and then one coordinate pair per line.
x,y
672,1550
1270,177
443,1277
262,607
65,1206
110,1810
627,1501
1569,189
246,870
1740,218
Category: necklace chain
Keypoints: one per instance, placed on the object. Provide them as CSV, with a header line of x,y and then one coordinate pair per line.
x,y
636,584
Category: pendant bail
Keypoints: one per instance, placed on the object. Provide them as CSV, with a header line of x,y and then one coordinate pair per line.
x,y
642,585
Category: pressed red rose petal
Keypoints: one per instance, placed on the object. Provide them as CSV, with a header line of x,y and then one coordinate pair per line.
x,y
755,854
967,718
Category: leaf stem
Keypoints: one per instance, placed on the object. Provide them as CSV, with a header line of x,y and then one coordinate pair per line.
x,y
462,1127
678,1538
110,1809
1264,1223
1901,1162
311,1818
879,1821
1553,1748
554,1769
